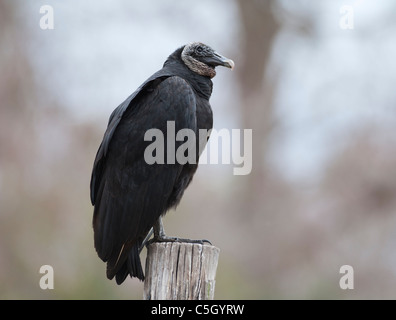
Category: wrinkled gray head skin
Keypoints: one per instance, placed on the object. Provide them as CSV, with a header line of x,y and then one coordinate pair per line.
x,y
202,59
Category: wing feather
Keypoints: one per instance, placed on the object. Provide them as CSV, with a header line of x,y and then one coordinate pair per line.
x,y
129,194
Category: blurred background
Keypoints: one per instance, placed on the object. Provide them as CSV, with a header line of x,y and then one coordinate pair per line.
x,y
319,97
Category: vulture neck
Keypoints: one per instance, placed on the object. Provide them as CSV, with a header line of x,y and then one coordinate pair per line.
x,y
202,85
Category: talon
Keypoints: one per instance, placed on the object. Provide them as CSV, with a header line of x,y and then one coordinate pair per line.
x,y
181,240
159,236
176,239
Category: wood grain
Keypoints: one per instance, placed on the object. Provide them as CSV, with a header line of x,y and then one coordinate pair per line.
x,y
180,271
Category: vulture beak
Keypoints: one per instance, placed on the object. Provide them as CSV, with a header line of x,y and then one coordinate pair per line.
x,y
219,60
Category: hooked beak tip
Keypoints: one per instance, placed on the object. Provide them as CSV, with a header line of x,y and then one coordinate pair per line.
x,y
230,64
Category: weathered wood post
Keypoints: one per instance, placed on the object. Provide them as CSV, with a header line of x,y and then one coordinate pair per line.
x,y
180,271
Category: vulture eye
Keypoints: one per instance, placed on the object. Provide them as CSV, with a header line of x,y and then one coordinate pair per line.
x,y
199,49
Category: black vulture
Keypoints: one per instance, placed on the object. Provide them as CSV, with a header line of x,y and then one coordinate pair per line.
x,y
130,195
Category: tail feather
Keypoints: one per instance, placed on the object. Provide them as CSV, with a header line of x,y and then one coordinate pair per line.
x,y
131,265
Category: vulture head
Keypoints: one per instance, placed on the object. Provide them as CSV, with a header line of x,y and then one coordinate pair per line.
x,y
202,59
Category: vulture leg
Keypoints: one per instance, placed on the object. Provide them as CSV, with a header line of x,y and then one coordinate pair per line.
x,y
146,239
160,236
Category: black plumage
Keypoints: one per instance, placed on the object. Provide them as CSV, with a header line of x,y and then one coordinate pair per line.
x,y
130,195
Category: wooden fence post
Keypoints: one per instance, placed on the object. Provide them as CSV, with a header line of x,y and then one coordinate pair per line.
x,y
180,271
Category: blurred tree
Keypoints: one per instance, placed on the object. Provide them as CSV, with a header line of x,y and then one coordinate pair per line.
x,y
258,31
16,135
45,166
